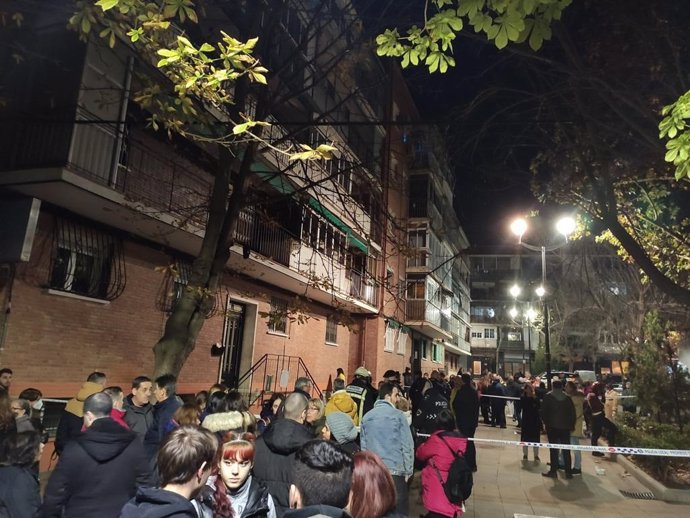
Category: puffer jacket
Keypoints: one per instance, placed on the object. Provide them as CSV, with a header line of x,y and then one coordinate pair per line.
x,y
250,501
341,401
385,432
71,421
436,455
274,456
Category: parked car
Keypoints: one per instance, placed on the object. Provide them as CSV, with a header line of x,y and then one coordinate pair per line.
x,y
562,375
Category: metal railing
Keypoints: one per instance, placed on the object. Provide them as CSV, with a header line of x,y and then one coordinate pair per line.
x,y
423,310
274,373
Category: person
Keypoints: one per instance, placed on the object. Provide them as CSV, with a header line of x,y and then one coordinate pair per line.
x,y
315,418
187,414
22,416
217,403
361,392
8,423
320,481
163,410
610,402
498,402
276,448
35,399
118,412
514,389
373,491
269,411
5,379
437,455
384,431
530,431
235,401
340,374
466,410
558,416
138,408
100,470
408,379
595,409
71,420
303,386
433,401
235,492
341,401
185,460
201,398
414,393
19,487
578,399
340,428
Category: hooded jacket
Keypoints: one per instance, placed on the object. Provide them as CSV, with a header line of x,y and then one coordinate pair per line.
x,y
275,452
341,401
71,421
97,473
158,503
139,418
557,411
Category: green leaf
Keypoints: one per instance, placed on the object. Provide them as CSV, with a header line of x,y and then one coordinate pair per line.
x,y
106,5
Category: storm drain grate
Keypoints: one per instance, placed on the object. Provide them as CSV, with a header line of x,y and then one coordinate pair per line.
x,y
646,495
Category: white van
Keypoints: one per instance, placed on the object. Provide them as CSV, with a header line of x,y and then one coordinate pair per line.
x,y
585,376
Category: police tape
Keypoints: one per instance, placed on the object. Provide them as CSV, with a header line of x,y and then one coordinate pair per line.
x,y
625,450
517,398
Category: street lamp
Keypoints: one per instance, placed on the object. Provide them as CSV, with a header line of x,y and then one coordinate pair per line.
x,y
565,226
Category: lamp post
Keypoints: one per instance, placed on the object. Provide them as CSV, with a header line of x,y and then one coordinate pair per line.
x,y
528,317
565,226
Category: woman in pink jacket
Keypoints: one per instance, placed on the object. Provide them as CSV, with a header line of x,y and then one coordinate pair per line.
x,y
437,456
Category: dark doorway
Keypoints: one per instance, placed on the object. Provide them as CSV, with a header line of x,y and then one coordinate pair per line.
x,y
232,343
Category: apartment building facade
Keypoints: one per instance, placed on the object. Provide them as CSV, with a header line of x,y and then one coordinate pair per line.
x,y
114,214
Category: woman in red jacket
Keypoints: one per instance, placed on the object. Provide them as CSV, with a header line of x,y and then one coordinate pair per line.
x,y
437,456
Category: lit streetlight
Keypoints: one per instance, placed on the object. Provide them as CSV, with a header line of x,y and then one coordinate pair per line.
x,y
515,291
540,291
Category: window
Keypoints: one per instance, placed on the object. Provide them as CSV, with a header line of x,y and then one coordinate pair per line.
x,y
514,336
416,289
489,333
277,318
332,330
402,342
425,349
477,334
86,261
436,352
389,338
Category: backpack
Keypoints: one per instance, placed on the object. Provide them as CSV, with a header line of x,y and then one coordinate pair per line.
x,y
458,485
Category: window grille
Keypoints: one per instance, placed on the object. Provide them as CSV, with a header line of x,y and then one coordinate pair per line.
x,y
277,322
174,283
331,330
86,261
389,339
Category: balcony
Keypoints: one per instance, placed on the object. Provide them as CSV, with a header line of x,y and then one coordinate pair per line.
x,y
143,186
428,319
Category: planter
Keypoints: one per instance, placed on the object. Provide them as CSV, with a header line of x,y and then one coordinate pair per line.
x,y
661,492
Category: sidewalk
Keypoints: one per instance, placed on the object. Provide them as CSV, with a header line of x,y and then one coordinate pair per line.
x,y
505,485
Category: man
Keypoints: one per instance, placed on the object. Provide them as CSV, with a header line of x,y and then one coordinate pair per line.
x,y
361,392
99,471
72,417
320,481
385,432
304,386
407,380
466,410
117,413
5,380
578,399
35,399
137,406
276,448
558,416
185,461
342,402
432,403
415,392
498,403
166,405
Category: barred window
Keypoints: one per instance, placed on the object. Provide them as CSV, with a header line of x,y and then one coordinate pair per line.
x,y
86,261
277,319
332,330
389,339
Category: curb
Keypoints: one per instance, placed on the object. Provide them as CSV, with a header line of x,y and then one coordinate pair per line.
x,y
661,492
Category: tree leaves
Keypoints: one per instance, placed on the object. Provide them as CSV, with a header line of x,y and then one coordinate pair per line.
x,y
674,126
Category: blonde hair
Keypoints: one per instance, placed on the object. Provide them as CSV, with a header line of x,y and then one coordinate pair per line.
x,y
318,404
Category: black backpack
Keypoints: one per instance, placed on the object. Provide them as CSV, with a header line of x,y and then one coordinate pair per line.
x,y
458,485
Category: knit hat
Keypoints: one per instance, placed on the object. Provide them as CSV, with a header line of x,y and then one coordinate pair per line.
x,y
362,371
341,426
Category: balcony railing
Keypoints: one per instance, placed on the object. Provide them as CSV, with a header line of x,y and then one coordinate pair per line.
x,y
423,310
166,183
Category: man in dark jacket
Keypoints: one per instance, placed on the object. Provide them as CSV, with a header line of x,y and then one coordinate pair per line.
x,y
362,392
558,415
466,410
71,421
99,470
185,461
276,448
163,410
321,480
424,421
498,404
138,407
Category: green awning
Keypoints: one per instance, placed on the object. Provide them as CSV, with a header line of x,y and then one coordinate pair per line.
x,y
352,239
278,181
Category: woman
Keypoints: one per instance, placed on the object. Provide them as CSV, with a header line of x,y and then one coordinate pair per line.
x,y
373,491
201,399
315,416
531,420
340,427
437,455
269,411
187,414
19,489
235,492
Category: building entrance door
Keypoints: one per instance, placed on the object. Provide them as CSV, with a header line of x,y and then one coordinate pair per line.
x,y
233,328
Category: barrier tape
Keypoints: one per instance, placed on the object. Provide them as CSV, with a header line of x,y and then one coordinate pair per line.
x,y
517,398
603,449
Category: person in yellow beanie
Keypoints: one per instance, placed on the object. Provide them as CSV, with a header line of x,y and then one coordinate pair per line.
x,y
342,402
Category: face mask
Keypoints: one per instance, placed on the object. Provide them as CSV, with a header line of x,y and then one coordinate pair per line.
x,y
38,405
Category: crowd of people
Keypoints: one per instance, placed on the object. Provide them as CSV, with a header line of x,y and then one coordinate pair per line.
x,y
148,453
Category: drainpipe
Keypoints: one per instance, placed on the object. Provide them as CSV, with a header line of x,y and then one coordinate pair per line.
x,y
120,128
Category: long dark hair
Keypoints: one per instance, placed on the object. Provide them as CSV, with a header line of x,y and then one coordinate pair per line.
x,y
20,449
